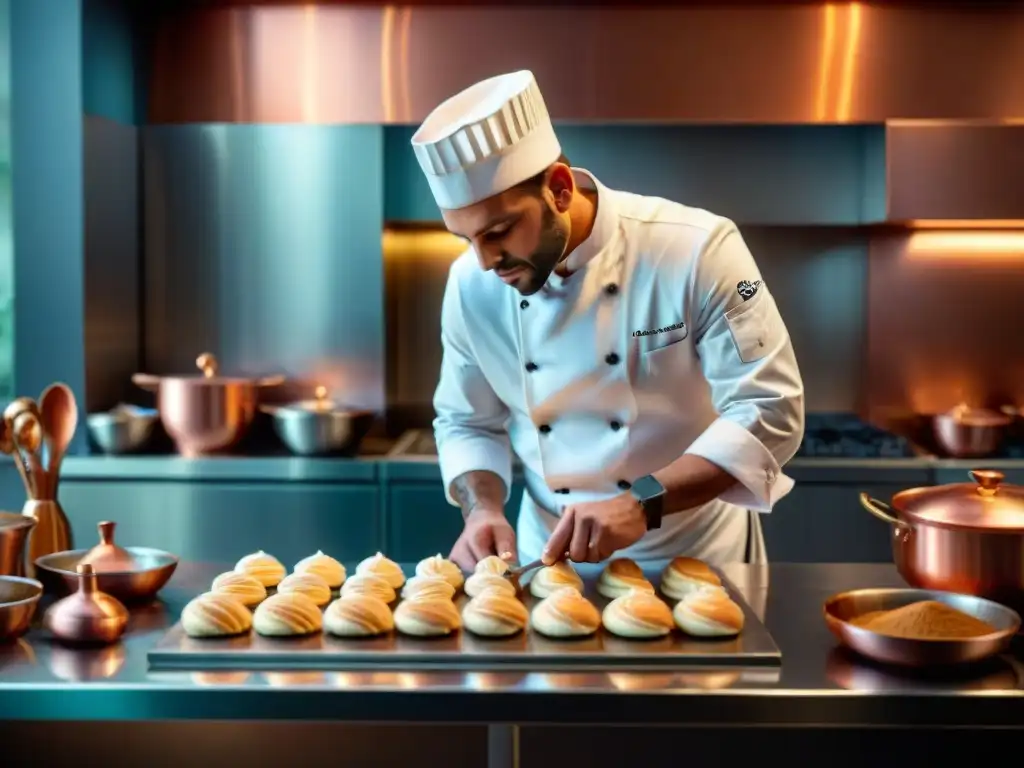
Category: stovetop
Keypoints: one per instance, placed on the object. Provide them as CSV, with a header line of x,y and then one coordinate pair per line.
x,y
843,435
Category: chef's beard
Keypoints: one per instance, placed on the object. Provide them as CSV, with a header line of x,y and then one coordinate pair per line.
x,y
542,262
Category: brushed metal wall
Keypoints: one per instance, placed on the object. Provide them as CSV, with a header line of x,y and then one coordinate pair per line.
x,y
944,321
262,245
818,277
817,63
113,336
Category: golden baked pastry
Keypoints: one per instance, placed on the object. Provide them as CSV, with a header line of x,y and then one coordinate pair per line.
x,y
492,564
324,566
369,584
427,618
244,588
439,566
494,613
685,575
287,614
709,613
266,569
484,580
638,615
215,615
381,566
565,613
553,577
357,615
428,588
308,584
621,576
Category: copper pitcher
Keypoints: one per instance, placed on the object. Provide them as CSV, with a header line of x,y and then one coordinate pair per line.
x,y
14,532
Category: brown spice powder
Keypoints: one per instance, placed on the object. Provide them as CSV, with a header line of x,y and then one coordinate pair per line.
x,y
926,620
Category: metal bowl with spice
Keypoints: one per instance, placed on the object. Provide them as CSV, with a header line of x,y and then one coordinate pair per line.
x,y
208,413
920,628
960,537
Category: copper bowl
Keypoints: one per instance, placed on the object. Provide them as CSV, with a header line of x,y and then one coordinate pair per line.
x,y
18,600
153,569
840,609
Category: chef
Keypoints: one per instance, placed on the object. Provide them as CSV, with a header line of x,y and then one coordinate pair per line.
x,y
625,348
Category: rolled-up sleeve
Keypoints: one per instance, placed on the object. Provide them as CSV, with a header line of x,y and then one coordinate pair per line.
x,y
747,358
470,427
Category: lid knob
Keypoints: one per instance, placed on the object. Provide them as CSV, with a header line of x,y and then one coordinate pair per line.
x,y
988,480
207,363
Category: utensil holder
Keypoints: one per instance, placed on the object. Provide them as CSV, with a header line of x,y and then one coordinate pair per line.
x,y
51,534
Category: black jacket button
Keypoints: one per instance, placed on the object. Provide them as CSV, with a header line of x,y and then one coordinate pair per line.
x,y
611,358
531,367
616,425
625,485
544,429
562,490
611,289
524,304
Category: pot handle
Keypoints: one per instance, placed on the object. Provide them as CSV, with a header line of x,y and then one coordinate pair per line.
x,y
882,511
146,381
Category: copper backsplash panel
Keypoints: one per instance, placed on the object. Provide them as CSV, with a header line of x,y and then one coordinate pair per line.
x,y
945,311
812,63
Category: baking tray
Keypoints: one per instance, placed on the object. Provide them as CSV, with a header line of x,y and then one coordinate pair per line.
x,y
463,651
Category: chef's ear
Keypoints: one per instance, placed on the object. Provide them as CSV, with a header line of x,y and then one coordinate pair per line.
x,y
562,186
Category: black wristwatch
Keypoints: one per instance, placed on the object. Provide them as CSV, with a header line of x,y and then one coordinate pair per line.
x,y
651,495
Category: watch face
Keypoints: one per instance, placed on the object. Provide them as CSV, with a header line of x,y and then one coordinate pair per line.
x,y
647,487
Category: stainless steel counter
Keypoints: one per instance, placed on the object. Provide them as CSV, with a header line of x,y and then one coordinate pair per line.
x,y
815,686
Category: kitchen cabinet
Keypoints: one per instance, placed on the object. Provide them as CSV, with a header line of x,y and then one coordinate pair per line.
x,y
223,521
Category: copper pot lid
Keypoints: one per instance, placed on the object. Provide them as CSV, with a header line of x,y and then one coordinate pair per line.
x,y
108,557
986,504
209,369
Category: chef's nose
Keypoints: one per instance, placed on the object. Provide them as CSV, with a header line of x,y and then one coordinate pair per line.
x,y
489,258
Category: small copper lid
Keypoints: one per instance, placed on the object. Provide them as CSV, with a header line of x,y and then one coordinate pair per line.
x,y
987,504
107,557
88,615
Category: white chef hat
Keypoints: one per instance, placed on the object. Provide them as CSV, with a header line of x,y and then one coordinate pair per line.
x,y
485,140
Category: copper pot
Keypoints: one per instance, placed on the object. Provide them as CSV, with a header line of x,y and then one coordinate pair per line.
x,y
969,433
961,537
205,414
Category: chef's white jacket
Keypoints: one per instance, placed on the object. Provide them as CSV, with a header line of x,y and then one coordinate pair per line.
x,y
663,341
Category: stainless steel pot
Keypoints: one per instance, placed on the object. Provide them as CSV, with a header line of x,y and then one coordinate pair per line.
x,y
961,537
970,433
206,414
320,427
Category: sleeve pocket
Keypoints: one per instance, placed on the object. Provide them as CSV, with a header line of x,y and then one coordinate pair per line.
x,y
750,327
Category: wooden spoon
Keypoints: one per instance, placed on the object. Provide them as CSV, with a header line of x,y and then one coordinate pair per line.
x,y
59,413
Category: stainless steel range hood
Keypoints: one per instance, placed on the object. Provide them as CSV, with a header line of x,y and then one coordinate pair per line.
x,y
825,63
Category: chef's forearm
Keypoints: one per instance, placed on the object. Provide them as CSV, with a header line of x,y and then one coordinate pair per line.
x,y
691,481
478,488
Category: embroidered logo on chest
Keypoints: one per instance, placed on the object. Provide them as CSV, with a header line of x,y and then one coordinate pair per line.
x,y
747,288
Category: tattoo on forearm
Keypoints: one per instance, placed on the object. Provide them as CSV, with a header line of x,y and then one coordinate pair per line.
x,y
476,488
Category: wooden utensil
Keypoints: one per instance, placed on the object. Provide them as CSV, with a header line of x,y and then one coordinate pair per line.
x,y
59,416
21,418
8,447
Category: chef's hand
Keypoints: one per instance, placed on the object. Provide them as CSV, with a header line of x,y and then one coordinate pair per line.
x,y
487,532
592,530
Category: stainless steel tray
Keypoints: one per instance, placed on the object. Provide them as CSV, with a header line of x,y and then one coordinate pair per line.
x,y
465,652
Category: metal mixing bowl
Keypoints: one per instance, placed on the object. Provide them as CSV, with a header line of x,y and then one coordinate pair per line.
x,y
18,600
122,430
310,432
154,569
